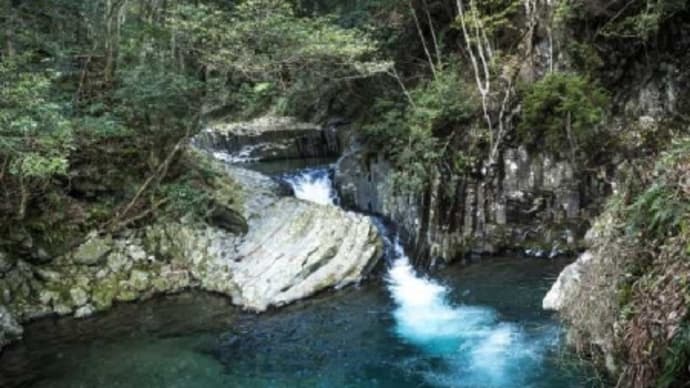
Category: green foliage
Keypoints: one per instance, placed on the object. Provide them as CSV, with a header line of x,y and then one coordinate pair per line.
x,y
35,134
663,209
658,211
97,96
645,19
275,58
497,19
150,92
185,198
637,20
562,112
413,134
676,360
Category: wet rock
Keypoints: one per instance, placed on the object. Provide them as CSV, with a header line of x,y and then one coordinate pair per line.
x,y
136,252
62,309
104,294
292,250
47,297
10,330
39,255
79,296
126,294
228,220
84,311
119,262
139,280
47,275
528,200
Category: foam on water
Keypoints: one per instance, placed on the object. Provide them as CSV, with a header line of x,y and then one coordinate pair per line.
x,y
314,185
242,156
479,349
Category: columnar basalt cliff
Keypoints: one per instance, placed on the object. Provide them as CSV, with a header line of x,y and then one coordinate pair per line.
x,y
534,204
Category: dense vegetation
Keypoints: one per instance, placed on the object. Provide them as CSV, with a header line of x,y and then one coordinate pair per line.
x,y
641,276
98,99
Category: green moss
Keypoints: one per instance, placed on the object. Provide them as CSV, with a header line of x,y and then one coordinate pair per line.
x,y
104,292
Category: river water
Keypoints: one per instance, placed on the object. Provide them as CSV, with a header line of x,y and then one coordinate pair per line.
x,y
479,325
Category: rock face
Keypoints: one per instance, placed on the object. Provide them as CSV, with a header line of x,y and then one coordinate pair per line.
x,y
292,249
565,284
269,138
532,202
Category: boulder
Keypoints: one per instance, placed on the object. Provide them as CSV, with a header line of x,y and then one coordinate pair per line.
x,y
566,283
93,250
79,296
84,311
292,249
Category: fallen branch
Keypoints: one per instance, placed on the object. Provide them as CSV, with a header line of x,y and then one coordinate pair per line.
x,y
157,176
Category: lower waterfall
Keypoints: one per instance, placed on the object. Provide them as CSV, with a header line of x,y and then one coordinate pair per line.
x,y
479,348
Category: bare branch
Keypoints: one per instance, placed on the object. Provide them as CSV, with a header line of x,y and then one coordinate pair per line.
x,y
421,38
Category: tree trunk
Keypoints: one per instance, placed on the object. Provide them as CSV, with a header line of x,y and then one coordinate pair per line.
x,y
422,39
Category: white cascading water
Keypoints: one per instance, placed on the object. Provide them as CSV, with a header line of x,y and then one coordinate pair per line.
x,y
242,156
480,350
313,185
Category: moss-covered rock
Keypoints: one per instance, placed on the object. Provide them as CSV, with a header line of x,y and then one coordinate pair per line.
x,y
10,330
93,251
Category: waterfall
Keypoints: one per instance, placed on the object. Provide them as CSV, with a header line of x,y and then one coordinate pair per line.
x,y
242,156
313,185
480,350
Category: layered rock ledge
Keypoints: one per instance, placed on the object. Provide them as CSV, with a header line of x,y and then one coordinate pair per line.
x,y
269,138
291,250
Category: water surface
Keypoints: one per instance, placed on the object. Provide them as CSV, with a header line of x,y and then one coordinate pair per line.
x,y
351,338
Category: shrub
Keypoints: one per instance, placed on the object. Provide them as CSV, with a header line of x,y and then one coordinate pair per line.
x,y
412,135
562,112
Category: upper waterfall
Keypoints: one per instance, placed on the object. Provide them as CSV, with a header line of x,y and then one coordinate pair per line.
x,y
314,185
